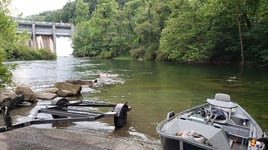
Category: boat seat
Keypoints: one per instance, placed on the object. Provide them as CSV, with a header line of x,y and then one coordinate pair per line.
x,y
222,104
222,101
222,97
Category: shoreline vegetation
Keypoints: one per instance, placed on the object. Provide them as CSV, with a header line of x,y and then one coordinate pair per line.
x,y
183,31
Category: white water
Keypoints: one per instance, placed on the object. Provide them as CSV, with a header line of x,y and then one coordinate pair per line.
x,y
64,46
44,42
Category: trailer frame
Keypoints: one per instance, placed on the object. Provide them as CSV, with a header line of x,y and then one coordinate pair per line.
x,y
63,111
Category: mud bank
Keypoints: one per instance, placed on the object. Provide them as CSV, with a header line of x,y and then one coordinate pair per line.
x,y
31,138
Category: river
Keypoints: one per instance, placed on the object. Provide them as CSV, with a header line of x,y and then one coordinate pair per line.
x,y
151,88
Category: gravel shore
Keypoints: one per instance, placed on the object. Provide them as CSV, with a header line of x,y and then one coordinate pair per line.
x,y
32,138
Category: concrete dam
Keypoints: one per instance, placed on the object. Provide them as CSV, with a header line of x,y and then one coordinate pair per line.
x,y
47,35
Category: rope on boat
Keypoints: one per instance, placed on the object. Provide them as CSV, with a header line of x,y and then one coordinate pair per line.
x,y
191,135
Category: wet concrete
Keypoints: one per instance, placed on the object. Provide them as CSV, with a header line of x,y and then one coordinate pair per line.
x,y
32,138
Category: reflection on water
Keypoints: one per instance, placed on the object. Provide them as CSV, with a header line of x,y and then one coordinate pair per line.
x,y
152,89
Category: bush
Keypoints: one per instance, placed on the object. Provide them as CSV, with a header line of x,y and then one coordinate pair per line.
x,y
5,74
46,54
137,53
26,53
106,54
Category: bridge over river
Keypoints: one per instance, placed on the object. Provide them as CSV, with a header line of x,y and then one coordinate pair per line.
x,y
44,34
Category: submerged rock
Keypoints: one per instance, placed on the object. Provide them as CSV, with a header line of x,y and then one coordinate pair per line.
x,y
68,89
81,82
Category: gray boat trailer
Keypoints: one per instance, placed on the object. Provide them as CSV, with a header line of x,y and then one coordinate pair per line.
x,y
61,113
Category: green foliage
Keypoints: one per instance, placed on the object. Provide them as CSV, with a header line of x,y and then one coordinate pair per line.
x,y
68,13
185,36
45,54
47,16
5,75
258,34
7,34
81,11
208,31
98,35
22,52
174,30
106,54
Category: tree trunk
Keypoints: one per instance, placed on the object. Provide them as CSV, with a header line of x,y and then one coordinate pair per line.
x,y
241,42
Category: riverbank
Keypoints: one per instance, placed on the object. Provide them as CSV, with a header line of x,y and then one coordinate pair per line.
x,y
32,138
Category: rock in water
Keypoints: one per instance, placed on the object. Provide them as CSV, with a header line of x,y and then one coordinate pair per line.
x,y
81,82
70,89
27,92
45,95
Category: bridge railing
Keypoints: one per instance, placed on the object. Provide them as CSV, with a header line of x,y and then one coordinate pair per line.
x,y
45,28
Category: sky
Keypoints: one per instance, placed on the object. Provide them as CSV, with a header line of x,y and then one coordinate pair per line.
x,y
31,7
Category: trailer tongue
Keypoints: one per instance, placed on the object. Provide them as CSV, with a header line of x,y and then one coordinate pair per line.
x,y
63,111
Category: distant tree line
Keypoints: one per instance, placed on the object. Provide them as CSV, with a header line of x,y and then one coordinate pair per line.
x,y
215,31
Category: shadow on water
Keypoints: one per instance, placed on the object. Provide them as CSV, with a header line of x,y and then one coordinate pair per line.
x,y
151,88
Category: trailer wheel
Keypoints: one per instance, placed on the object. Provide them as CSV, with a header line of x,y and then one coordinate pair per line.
x,y
121,119
61,105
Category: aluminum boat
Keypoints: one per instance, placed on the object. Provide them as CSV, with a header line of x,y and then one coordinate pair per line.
x,y
219,124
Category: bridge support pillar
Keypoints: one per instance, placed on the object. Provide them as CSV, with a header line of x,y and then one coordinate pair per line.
x,y
54,37
34,36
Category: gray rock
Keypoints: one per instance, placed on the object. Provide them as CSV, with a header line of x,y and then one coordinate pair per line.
x,y
51,90
5,95
71,89
27,92
45,95
64,93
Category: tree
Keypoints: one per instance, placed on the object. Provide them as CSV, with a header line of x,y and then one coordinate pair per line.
x,y
68,12
7,34
97,36
47,16
92,5
241,11
188,34
175,30
143,22
257,46
81,11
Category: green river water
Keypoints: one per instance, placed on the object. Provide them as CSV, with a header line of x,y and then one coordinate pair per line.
x,y
153,88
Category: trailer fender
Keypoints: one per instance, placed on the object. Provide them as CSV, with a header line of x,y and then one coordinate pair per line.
x,y
60,101
120,118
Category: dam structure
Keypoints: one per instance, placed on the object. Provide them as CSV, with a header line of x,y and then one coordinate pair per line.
x,y
44,34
